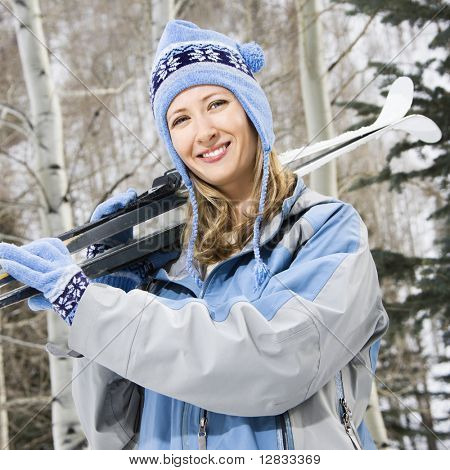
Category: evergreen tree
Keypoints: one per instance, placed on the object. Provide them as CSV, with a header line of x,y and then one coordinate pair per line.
x,y
427,279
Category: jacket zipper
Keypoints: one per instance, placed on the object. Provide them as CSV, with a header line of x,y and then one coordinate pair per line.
x,y
345,413
202,430
346,421
204,413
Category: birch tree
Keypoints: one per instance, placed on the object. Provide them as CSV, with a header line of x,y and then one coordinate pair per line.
x,y
56,217
314,87
319,122
162,12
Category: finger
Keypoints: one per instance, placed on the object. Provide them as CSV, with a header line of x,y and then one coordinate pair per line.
x,y
125,198
39,302
106,208
23,257
113,204
22,273
58,244
44,249
132,194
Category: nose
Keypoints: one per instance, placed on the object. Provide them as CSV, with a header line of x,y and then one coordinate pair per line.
x,y
206,131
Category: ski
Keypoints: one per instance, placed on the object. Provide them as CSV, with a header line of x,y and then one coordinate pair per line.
x,y
163,197
397,104
111,260
166,195
416,125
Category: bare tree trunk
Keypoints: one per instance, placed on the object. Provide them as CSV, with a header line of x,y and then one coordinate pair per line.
x,y
374,420
162,12
251,12
315,93
57,217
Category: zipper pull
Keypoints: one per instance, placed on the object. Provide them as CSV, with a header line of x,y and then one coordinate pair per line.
x,y
346,420
346,415
202,431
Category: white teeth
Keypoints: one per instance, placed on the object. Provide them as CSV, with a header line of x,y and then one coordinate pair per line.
x,y
215,153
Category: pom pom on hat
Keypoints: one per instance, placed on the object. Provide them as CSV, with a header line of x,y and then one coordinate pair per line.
x,y
253,55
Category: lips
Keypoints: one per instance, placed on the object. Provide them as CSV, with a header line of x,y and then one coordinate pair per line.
x,y
213,149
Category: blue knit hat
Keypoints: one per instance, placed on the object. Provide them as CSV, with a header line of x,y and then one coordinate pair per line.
x,y
189,56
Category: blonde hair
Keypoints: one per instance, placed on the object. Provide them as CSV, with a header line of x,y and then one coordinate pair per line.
x,y
216,213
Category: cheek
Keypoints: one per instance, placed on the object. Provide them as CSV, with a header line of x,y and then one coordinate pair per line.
x,y
242,126
181,143
249,134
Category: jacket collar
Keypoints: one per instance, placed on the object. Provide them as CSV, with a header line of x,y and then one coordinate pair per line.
x,y
177,271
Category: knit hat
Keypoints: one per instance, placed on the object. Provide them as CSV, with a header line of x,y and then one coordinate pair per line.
x,y
189,56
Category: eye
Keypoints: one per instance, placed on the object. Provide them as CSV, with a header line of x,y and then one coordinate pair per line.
x,y
179,120
216,103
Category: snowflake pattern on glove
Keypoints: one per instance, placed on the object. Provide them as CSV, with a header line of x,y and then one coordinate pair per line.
x,y
65,305
95,249
141,269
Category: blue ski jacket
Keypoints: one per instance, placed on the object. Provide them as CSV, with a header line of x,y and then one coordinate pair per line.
x,y
287,367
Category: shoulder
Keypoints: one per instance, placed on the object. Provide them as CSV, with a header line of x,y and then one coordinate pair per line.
x,y
333,222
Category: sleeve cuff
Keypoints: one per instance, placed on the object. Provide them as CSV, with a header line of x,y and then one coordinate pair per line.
x,y
66,304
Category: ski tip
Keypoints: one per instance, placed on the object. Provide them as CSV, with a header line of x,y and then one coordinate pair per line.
x,y
402,92
398,101
403,84
421,127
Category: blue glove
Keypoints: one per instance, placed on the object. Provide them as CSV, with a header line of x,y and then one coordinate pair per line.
x,y
108,207
46,265
112,205
39,302
132,276
135,274
142,270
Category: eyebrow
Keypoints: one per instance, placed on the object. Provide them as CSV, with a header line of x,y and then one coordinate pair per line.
x,y
203,99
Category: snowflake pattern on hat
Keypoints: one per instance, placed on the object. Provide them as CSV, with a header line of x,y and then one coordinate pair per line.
x,y
237,62
167,67
191,54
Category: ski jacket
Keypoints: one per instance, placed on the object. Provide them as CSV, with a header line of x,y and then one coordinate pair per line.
x,y
225,367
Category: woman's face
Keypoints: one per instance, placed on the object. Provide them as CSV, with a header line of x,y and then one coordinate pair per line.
x,y
209,120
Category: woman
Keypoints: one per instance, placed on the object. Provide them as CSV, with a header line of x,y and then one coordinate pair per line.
x,y
260,335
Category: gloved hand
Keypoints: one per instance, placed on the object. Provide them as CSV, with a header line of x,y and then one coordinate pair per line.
x,y
138,271
39,302
112,205
46,265
108,207
134,275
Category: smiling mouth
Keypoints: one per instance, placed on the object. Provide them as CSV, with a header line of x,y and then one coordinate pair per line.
x,y
215,153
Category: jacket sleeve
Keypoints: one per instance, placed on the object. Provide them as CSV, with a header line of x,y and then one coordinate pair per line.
x,y
267,355
108,405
